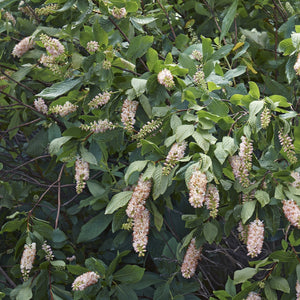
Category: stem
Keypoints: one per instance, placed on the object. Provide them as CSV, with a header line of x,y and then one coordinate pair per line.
x,y
58,196
167,16
7,278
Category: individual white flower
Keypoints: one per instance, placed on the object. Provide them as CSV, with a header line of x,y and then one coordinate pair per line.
x,y
23,46
83,281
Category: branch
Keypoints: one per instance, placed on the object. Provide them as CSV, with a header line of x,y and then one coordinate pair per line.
x,y
58,196
7,278
167,16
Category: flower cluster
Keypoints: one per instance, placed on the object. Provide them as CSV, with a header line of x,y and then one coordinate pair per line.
x,y
265,118
139,196
46,10
82,173
27,260
296,176
190,260
99,100
235,162
128,114
297,290
9,17
23,46
99,126
253,296
196,54
165,78
26,9
288,147
243,232
245,153
148,128
292,212
49,253
119,13
255,238
92,46
50,62
212,200
197,188
52,45
297,65
175,154
63,110
141,222
106,65
83,281
199,79
41,106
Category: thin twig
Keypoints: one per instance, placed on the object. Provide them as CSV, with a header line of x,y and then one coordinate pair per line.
x,y
167,16
7,278
58,196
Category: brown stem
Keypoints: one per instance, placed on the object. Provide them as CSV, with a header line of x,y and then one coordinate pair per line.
x,y
280,10
167,16
7,278
19,101
126,70
58,196
22,125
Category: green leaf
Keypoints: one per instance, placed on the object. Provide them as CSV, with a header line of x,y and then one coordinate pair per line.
x,y
139,86
58,236
262,197
181,41
129,274
222,52
241,276
210,231
58,89
95,188
88,156
158,218
286,46
280,284
254,90
269,292
207,48
94,227
100,35
235,72
76,269
254,108
183,132
136,166
24,294
152,58
117,201
138,46
228,19
58,263
247,210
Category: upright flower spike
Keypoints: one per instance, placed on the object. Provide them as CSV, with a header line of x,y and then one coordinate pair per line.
x,y
265,118
27,260
82,173
288,147
292,212
128,114
49,253
243,232
139,196
255,238
147,129
46,10
297,290
212,200
197,189
190,261
245,153
253,296
9,17
41,106
83,281
296,176
99,100
23,46
98,126
141,222
235,162
63,110
165,78
52,45
196,54
175,154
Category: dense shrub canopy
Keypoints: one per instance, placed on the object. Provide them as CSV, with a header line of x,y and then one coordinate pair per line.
x,y
150,149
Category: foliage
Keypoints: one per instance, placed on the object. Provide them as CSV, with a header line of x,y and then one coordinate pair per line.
x,y
216,78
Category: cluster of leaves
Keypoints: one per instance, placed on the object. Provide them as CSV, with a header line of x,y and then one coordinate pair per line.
x,y
247,58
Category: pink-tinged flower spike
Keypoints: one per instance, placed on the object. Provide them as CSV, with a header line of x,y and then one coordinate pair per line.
x,y
141,222
265,118
235,162
92,46
99,100
23,46
297,290
139,196
82,173
297,65
83,281
41,106
46,10
197,188
9,17
128,114
52,45
255,238
190,260
288,147
27,260
212,200
243,232
99,126
245,154
296,176
63,110
165,78
292,212
175,154
119,13
197,55
49,253
253,296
